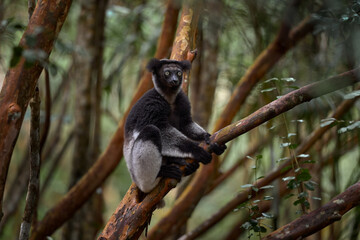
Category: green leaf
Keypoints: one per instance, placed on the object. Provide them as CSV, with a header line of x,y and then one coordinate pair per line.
x,y
286,144
299,201
293,146
316,198
289,196
267,215
246,226
289,79
303,176
262,229
352,95
303,195
284,169
246,186
309,161
327,121
288,178
254,222
291,134
292,184
268,89
309,186
271,79
267,198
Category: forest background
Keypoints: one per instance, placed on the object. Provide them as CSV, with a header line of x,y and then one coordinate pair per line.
x,y
255,61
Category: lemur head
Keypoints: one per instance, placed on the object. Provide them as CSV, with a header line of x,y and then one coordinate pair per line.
x,y
167,75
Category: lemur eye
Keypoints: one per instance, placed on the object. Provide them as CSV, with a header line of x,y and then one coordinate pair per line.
x,y
167,73
179,73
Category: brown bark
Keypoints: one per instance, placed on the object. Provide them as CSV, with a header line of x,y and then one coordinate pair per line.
x,y
183,208
20,81
107,162
319,218
185,36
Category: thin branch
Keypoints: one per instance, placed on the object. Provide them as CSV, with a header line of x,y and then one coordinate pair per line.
x,y
285,103
47,122
33,187
319,218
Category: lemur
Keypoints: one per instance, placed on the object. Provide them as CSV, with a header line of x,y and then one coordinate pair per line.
x,y
159,131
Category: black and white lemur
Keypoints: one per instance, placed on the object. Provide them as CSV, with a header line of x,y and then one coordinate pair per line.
x,y
159,131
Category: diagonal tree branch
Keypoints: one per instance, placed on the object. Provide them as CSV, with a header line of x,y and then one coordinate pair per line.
x,y
305,146
319,218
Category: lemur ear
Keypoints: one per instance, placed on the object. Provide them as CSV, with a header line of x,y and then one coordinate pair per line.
x,y
153,65
186,65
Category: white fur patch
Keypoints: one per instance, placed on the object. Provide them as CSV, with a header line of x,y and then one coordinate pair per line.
x,y
169,99
146,163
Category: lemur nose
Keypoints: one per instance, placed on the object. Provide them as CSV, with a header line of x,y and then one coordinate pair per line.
x,y
174,80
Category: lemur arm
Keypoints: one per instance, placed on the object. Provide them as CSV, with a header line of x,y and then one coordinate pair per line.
x,y
176,144
190,128
187,126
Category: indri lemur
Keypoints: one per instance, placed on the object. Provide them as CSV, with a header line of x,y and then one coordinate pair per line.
x,y
159,131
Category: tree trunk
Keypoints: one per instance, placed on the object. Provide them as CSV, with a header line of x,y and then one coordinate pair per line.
x,y
87,75
20,81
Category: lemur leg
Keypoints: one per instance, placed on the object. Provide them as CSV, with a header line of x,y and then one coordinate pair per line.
x,y
146,158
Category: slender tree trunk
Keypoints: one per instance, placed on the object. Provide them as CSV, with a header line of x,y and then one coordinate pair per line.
x,y
88,75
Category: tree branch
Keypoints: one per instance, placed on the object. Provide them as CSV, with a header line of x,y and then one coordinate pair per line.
x,y
33,187
20,81
320,218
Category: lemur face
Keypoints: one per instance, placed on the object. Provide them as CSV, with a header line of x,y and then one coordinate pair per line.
x,y
167,75
171,75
